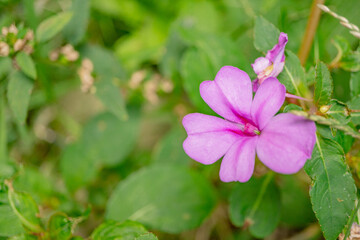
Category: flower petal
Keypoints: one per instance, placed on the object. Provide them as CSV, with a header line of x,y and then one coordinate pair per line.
x,y
209,137
276,54
213,96
286,143
230,94
260,65
238,163
267,101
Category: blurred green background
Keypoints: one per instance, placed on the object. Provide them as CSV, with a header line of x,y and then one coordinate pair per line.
x,y
115,151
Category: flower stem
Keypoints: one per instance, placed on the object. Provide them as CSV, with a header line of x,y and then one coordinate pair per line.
x,y
264,185
311,27
351,220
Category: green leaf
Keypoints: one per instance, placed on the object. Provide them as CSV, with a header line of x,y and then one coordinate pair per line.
x,y
293,75
354,104
109,140
266,34
18,94
323,85
221,50
25,209
333,190
75,157
26,64
59,227
339,111
252,204
340,137
147,236
10,224
5,66
127,230
105,63
292,107
194,74
52,26
296,208
167,151
111,97
342,45
355,84
75,30
351,62
33,181
167,198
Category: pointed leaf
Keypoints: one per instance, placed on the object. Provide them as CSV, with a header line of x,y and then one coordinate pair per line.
x,y
75,30
26,64
333,190
111,97
293,75
323,85
18,94
52,26
266,34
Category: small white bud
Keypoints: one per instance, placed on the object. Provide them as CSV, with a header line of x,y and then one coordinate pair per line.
x,y
13,29
4,49
19,44
4,31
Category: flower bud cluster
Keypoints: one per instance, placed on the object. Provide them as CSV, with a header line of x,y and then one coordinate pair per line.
x,y
151,86
85,74
67,51
13,40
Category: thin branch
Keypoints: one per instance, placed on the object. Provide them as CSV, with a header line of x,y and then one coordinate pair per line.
x,y
310,31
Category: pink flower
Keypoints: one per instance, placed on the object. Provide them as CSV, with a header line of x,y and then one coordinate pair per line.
x,y
272,64
283,142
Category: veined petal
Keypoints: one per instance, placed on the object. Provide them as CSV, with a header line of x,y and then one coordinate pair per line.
x,y
209,137
234,93
267,101
238,163
286,143
213,96
261,64
200,123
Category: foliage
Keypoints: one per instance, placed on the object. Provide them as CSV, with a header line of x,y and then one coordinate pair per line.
x,y
92,94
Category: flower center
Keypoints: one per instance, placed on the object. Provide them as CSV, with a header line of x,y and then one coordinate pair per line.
x,y
251,130
266,73
247,129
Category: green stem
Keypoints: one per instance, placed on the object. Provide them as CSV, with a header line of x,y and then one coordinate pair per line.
x,y
3,141
262,191
351,220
